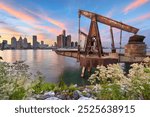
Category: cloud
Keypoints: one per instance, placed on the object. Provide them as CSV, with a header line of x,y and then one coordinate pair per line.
x,y
48,29
140,18
48,19
110,13
135,4
55,22
16,13
9,30
32,19
3,23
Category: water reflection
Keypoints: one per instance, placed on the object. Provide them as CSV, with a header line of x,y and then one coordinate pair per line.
x,y
49,63
45,61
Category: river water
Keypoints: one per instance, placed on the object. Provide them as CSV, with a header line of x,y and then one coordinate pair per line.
x,y
52,66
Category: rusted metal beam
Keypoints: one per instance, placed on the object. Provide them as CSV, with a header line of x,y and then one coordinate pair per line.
x,y
108,21
82,33
113,43
94,37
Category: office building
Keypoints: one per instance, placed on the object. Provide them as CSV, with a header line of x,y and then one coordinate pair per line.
x,y
35,43
63,41
76,44
25,43
13,43
4,44
68,41
72,44
64,33
19,43
60,41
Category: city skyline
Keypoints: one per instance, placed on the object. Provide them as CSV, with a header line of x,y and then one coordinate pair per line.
x,y
22,43
49,17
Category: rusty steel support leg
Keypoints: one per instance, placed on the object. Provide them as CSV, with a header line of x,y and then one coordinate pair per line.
x,y
113,43
94,32
83,72
120,43
78,56
89,70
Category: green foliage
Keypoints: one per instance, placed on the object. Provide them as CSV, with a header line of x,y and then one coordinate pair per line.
x,y
72,88
42,87
18,94
62,84
113,84
15,82
111,92
111,73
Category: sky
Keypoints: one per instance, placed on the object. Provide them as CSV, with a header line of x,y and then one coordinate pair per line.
x,y
47,18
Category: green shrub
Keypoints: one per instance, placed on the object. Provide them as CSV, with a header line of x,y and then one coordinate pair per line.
x,y
18,94
115,85
15,81
111,92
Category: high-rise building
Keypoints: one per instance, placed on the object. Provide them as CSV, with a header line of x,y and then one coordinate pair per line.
x,y
19,43
63,40
13,43
4,44
76,44
68,41
72,44
64,33
60,41
35,43
25,43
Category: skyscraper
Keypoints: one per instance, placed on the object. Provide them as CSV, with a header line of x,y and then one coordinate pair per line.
x,y
76,44
63,40
19,43
25,43
64,33
68,40
72,44
13,43
35,44
4,44
60,41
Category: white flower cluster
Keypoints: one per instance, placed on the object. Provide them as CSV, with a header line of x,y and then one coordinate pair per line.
x,y
12,80
136,83
111,73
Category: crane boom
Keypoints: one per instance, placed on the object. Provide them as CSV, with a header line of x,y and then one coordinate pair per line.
x,y
108,21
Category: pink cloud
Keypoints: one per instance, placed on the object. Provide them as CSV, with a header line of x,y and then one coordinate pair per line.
x,y
55,22
140,18
29,17
46,18
31,20
134,4
111,13
48,29
16,13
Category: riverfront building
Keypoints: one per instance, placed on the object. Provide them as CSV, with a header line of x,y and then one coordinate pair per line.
x,y
13,42
63,41
35,43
